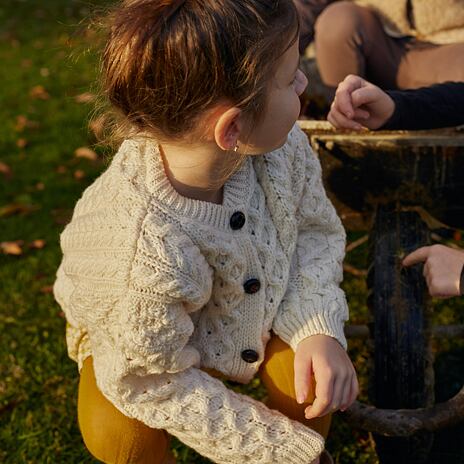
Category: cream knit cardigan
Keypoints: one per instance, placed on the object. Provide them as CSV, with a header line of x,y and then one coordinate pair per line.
x,y
152,285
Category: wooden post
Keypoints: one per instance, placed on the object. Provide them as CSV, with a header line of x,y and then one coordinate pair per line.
x,y
402,375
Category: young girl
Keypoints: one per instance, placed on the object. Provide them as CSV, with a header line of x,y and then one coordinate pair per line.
x,y
208,250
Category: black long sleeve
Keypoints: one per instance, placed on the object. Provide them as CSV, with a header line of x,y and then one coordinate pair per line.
x,y
441,105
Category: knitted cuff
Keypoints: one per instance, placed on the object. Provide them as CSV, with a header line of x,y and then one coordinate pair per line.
x,y
304,446
320,324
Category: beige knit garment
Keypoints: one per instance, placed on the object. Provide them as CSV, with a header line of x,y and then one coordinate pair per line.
x,y
436,21
152,285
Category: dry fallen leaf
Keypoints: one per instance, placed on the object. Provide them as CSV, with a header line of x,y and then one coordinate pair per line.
x,y
85,152
38,244
21,143
47,289
38,92
12,248
5,169
21,123
79,174
61,216
61,169
40,186
85,97
16,208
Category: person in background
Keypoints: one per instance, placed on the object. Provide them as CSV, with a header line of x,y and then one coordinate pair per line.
x,y
359,103
396,44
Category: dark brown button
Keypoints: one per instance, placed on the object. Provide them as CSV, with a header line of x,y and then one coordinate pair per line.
x,y
252,286
237,220
250,356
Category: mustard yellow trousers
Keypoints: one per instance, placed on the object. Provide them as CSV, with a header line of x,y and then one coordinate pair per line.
x,y
113,438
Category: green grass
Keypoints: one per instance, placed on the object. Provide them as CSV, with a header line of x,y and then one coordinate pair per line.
x,y
43,44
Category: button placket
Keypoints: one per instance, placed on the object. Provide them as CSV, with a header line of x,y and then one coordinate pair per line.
x,y
252,286
237,220
250,356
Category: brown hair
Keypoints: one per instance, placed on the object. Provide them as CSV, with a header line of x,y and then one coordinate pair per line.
x,y
168,61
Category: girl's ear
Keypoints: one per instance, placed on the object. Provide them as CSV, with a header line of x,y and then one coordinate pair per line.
x,y
228,128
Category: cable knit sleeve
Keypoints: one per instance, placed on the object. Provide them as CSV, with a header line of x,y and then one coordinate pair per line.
x,y
146,367
313,303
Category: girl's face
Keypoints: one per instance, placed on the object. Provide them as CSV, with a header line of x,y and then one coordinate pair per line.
x,y
283,106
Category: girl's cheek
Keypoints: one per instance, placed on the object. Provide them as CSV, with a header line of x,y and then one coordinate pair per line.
x,y
301,83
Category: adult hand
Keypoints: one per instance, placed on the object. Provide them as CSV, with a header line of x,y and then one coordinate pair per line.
x,y
442,269
358,104
336,382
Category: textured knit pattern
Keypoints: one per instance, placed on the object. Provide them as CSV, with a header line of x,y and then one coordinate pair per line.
x,y
152,285
436,21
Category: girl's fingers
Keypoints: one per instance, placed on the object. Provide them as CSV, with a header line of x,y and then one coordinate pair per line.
x,y
303,376
323,401
353,392
339,391
345,401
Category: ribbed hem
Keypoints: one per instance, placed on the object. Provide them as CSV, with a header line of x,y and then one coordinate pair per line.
x,y
304,447
294,330
320,325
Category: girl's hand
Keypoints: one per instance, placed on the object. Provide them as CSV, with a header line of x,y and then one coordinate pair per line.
x,y
336,381
359,103
442,269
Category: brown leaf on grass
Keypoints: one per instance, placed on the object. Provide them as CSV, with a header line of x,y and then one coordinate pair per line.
x,y
61,216
61,169
16,208
79,174
47,289
26,63
85,152
85,97
12,248
39,93
5,169
21,143
37,244
40,186
22,122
